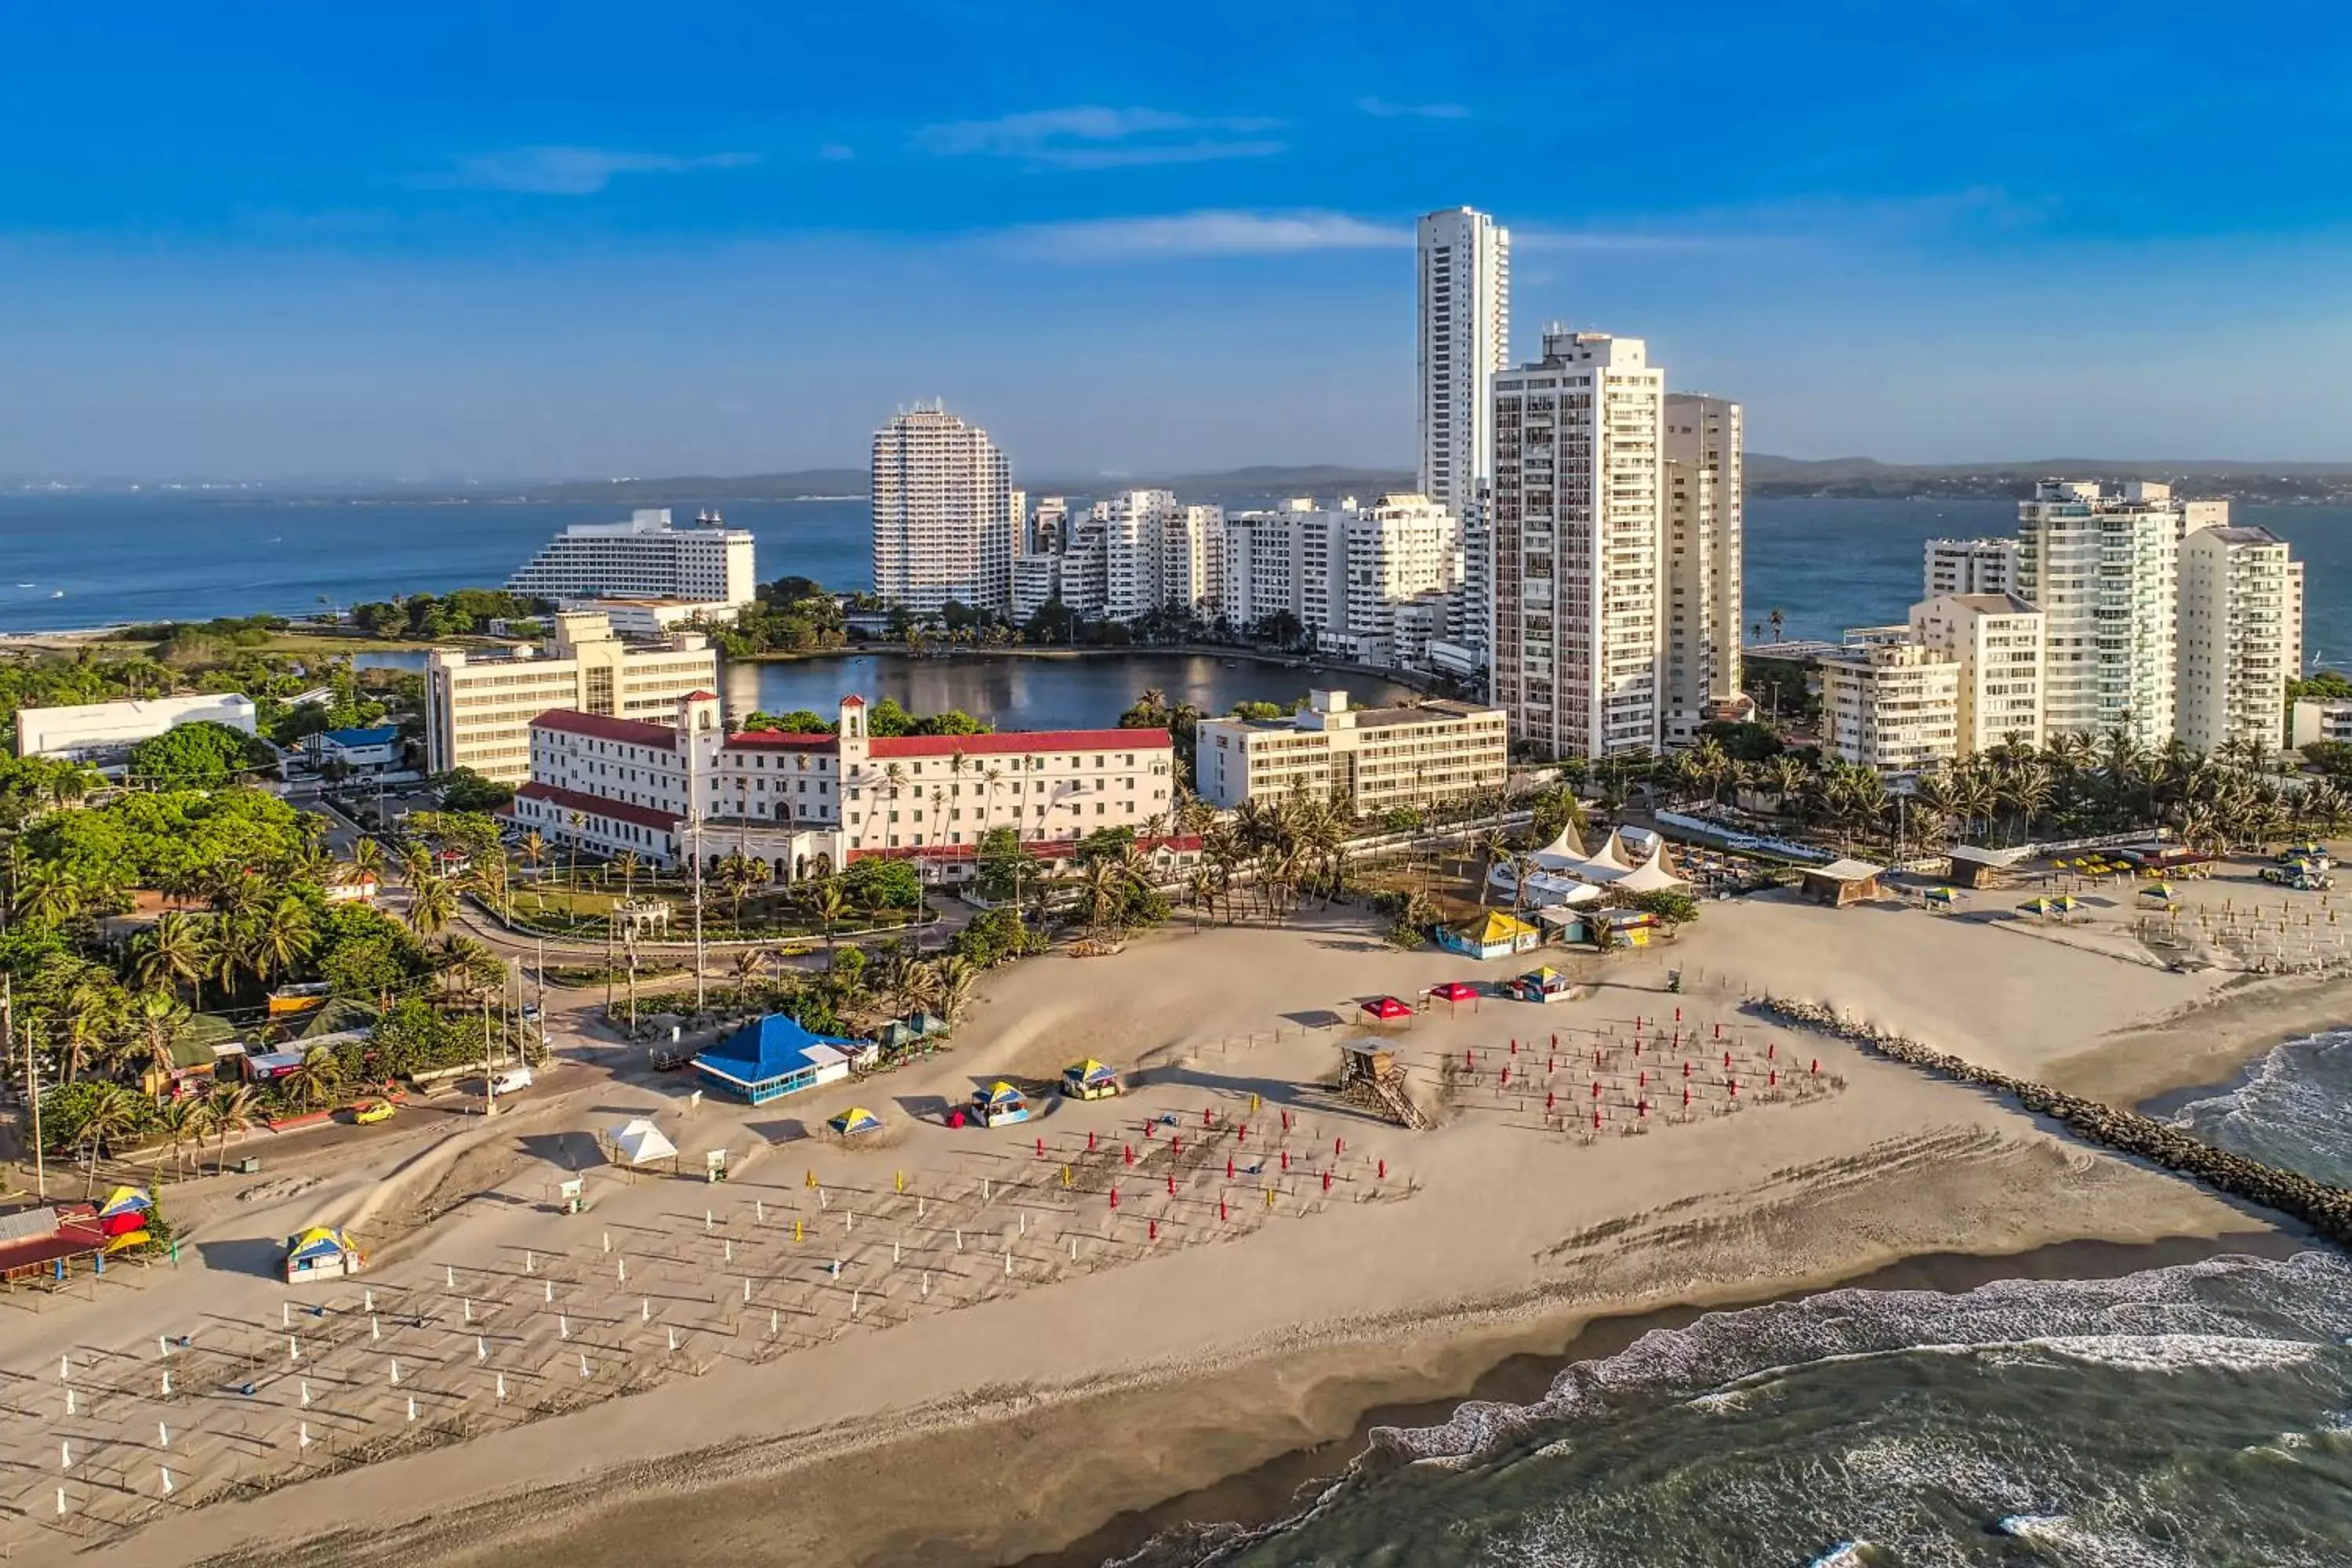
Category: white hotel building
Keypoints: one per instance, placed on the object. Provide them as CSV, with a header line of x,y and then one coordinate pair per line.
x,y
2241,636
1579,521
648,557
944,527
808,802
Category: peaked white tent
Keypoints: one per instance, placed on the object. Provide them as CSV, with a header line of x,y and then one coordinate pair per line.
x,y
640,1142
1653,875
1567,849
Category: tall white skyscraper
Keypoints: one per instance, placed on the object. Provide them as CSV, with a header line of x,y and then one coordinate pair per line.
x,y
1578,514
2103,568
2241,636
1706,524
1134,526
944,521
1465,340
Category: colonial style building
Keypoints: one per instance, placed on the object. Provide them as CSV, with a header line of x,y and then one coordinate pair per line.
x,y
809,803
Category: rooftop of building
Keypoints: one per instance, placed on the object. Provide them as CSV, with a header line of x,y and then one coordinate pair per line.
x,y
1993,603
604,727
1019,740
2243,533
375,735
598,805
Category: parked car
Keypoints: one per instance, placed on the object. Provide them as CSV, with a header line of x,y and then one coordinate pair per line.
x,y
368,1113
511,1080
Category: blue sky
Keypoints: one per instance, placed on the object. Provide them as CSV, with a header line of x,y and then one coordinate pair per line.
x,y
514,239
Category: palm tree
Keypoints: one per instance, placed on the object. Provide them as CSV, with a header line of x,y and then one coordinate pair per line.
x,y
1104,883
228,1108
283,937
111,1111
627,863
367,860
320,1085
48,894
172,954
951,981
182,1122
831,903
162,1021
416,863
431,905
533,849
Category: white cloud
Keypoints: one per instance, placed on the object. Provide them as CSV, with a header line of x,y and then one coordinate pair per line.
x,y
562,171
1205,234
1092,137
1382,108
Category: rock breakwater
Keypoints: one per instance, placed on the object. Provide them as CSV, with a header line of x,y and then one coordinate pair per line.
x,y
2327,1209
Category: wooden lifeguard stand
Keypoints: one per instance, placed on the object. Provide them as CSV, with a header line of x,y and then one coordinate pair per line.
x,y
1370,1075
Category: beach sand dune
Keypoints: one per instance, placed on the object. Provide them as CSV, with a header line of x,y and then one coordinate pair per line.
x,y
814,1412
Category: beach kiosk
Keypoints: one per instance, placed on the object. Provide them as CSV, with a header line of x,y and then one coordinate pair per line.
x,y
855,1122
1489,934
772,1056
999,1105
1541,986
1089,1079
1841,882
322,1252
1388,1011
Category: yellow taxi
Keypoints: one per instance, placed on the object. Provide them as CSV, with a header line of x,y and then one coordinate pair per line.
x,y
368,1113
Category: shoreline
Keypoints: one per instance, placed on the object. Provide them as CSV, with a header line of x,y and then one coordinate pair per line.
x,y
1263,1496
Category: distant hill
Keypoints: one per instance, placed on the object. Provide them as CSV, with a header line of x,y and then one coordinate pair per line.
x,y
692,489
1868,477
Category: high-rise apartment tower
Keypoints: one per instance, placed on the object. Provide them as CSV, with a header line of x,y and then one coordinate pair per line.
x,y
1465,340
943,521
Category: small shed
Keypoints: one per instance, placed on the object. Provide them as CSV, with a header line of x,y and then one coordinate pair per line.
x,y
322,1252
1841,882
1542,985
1089,1079
926,1023
999,1105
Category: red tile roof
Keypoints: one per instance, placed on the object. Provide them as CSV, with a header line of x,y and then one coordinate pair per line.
x,y
1019,740
598,805
816,740
853,700
628,732
700,697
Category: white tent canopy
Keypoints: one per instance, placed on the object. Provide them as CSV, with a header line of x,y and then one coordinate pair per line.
x,y
1567,849
639,1143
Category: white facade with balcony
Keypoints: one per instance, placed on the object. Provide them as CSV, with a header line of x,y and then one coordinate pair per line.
x,y
1997,641
648,557
1579,519
2102,567
1894,707
943,525
1705,545
2241,628
1464,342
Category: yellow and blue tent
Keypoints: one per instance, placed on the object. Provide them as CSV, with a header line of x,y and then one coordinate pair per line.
x,y
854,1121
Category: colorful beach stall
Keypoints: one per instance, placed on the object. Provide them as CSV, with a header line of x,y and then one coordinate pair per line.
x,y
322,1252
772,1056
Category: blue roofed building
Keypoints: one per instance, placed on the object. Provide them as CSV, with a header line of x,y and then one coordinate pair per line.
x,y
374,748
772,1056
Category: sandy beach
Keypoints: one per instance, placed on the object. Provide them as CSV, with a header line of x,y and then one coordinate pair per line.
x,y
1002,1361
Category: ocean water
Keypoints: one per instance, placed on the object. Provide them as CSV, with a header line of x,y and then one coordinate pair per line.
x,y
1825,564
2192,1416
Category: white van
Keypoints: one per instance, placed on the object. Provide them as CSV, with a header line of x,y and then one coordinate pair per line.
x,y
511,1080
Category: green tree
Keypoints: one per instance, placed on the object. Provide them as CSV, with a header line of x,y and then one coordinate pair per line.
x,y
199,755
